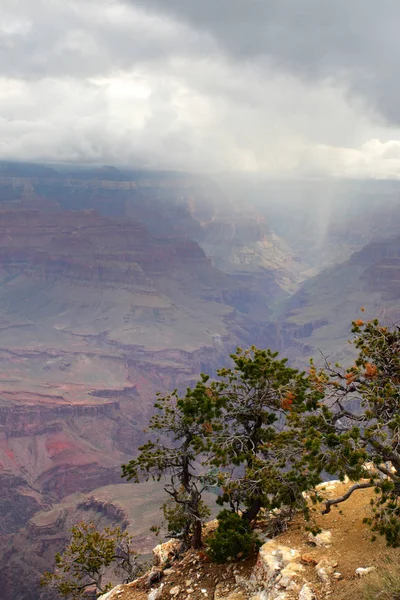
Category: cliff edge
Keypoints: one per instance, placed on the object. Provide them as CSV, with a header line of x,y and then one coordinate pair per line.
x,y
338,563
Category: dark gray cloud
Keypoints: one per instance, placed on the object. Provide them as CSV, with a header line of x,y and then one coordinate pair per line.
x,y
354,42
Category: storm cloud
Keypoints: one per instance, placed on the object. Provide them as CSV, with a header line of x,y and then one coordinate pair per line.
x,y
355,44
289,88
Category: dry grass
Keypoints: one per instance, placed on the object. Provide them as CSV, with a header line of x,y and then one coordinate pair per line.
x,y
385,584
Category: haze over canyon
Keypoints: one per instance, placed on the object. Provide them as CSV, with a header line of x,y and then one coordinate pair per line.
x,y
118,284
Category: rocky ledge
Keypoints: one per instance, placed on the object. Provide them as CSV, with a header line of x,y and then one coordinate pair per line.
x,y
108,509
295,565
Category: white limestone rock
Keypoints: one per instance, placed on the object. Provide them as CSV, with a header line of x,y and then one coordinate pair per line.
x,y
278,570
362,571
322,539
166,553
175,590
306,593
155,594
325,569
112,594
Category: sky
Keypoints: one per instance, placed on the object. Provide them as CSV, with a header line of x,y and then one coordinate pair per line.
x,y
287,88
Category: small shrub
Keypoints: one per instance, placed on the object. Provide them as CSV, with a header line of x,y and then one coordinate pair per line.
x,y
91,557
232,539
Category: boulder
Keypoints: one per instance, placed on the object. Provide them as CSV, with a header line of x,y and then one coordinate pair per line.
x,y
322,539
165,553
278,570
362,571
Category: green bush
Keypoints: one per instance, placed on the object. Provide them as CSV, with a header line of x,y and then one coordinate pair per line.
x,y
232,539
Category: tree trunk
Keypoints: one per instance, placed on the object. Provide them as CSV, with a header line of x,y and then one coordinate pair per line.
x,y
196,538
253,511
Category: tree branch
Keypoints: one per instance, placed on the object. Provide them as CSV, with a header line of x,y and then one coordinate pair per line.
x,y
346,496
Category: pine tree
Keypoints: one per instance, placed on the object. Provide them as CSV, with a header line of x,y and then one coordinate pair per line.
x,y
356,431
174,456
256,438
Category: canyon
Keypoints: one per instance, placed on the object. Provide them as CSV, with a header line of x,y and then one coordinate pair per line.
x,y
116,285
105,300
316,318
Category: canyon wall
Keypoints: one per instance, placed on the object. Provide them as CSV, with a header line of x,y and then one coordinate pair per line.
x,y
106,298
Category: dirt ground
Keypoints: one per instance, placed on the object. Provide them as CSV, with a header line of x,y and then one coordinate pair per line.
x,y
351,543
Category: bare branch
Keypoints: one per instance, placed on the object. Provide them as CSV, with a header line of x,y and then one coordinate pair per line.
x,y
346,496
